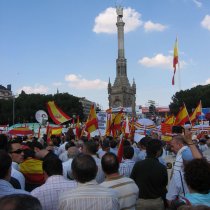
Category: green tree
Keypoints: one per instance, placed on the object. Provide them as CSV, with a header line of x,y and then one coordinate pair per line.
x,y
191,98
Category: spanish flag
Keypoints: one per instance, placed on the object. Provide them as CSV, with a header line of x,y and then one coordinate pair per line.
x,y
56,114
196,112
175,60
92,121
182,116
32,170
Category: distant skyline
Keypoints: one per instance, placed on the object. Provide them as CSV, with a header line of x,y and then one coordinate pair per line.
x,y
72,46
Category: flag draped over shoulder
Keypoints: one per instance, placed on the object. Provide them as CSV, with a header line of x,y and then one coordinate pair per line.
x,y
175,60
92,121
196,112
56,114
182,116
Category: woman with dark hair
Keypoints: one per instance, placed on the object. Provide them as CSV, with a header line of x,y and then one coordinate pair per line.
x,y
197,177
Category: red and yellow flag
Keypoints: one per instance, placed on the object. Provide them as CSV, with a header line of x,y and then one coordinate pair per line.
x,y
56,114
182,116
175,59
196,112
78,131
92,121
170,120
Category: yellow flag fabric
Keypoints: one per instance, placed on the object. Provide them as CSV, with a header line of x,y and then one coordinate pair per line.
x,y
196,112
182,117
92,121
170,120
56,114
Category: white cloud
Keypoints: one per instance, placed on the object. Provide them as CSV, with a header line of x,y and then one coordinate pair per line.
x,y
158,60
36,89
207,82
105,22
206,22
76,81
197,3
150,26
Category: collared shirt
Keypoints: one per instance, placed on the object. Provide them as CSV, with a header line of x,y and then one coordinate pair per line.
x,y
7,189
15,165
126,167
89,195
19,176
128,191
67,168
177,185
64,156
48,193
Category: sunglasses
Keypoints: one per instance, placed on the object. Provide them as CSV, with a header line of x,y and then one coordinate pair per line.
x,y
18,151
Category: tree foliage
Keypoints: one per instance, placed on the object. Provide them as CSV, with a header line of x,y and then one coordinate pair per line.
x,y
26,105
191,98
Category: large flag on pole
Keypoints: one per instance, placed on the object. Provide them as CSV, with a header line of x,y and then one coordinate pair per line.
x,y
196,112
92,121
182,116
175,60
56,114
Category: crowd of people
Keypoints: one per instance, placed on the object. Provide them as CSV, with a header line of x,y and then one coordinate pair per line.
x,y
65,174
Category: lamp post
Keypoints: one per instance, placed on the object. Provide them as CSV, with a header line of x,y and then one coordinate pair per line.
x,y
13,109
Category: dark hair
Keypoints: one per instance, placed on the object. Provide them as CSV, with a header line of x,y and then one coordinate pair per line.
x,y
144,141
36,144
153,147
5,163
91,147
84,168
20,201
197,173
10,143
110,163
52,166
126,143
28,153
177,129
113,143
69,144
128,152
3,142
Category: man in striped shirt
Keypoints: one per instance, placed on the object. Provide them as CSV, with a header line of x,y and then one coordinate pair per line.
x,y
89,194
126,187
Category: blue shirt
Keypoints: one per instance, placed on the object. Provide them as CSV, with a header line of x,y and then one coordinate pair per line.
x,y
198,199
7,189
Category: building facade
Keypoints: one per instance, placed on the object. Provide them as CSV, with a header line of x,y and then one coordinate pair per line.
x,y
5,92
121,93
86,104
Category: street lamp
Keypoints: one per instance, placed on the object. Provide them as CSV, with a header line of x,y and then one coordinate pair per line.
x,y
13,109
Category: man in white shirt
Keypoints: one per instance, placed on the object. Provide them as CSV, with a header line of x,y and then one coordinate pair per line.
x,y
127,189
5,173
89,194
48,193
16,153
